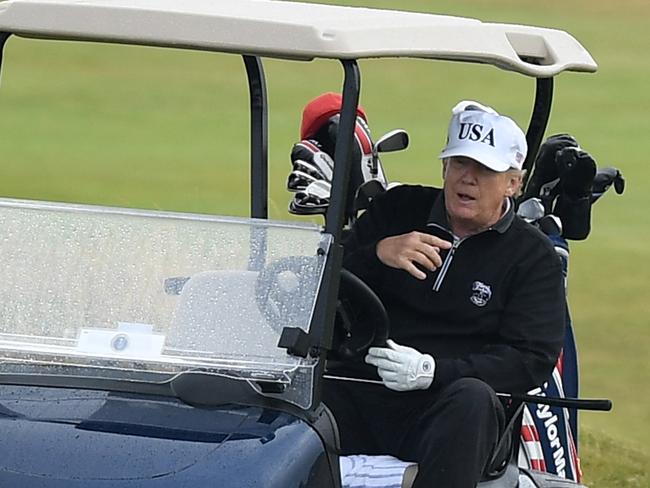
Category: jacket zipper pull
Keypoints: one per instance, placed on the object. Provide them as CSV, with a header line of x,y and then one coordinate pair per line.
x,y
445,265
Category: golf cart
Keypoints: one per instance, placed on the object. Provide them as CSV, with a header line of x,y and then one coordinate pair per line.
x,y
146,348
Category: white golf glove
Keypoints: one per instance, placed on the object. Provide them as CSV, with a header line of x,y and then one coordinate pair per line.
x,y
402,368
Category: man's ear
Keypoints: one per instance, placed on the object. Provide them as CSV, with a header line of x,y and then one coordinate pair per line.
x,y
514,183
444,168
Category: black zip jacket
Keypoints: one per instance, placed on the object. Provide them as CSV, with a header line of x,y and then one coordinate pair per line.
x,y
495,309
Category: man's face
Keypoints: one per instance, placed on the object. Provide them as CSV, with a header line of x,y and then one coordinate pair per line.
x,y
474,194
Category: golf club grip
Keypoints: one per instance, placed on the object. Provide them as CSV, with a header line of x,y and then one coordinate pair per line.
x,y
603,405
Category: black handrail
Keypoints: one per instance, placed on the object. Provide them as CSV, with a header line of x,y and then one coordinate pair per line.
x,y
322,327
259,137
336,214
538,122
259,143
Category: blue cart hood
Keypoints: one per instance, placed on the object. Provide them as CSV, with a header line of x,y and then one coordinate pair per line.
x,y
80,438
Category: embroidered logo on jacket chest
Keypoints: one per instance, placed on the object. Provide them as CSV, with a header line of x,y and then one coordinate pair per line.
x,y
481,294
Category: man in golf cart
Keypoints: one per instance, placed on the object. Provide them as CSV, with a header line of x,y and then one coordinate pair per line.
x,y
475,299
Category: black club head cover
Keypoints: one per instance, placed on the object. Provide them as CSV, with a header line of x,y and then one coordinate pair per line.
x,y
573,206
546,173
577,171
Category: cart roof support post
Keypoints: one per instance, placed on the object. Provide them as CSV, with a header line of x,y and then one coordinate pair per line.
x,y
538,122
259,134
336,215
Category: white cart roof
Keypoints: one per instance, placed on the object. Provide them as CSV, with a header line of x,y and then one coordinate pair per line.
x,y
297,30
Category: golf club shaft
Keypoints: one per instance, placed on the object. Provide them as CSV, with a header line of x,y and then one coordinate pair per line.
x,y
580,403
599,404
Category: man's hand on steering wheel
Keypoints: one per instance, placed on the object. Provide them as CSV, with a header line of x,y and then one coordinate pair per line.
x,y
406,250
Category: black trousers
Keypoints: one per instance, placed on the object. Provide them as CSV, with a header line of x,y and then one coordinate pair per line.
x,y
451,433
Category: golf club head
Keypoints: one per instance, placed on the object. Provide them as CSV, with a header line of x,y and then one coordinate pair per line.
x,y
320,160
395,140
314,199
299,181
312,169
531,210
604,179
366,192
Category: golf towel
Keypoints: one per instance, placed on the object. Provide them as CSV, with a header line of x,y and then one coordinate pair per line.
x,y
362,471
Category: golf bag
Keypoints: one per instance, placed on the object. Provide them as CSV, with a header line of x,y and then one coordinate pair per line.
x,y
559,199
312,159
549,434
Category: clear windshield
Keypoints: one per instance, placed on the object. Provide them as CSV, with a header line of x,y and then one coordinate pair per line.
x,y
130,294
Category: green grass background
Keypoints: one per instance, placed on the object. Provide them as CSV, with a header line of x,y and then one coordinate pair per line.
x,y
153,128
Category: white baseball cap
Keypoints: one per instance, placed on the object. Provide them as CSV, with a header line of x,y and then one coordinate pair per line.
x,y
479,132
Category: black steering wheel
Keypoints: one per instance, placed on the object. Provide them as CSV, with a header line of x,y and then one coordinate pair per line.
x,y
286,287
361,319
